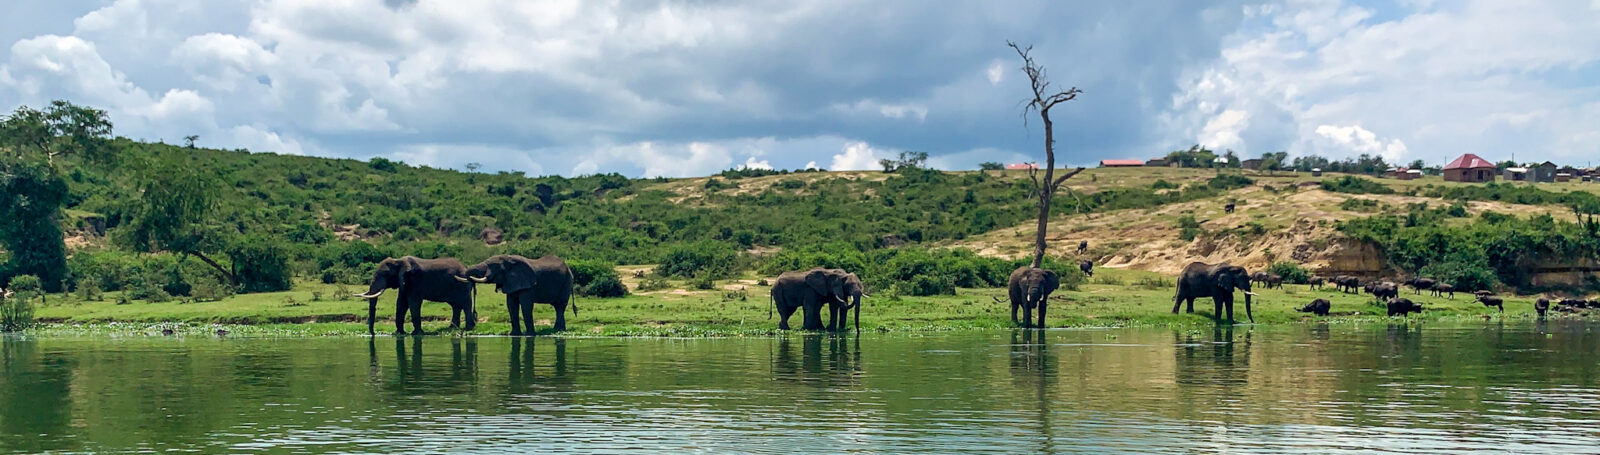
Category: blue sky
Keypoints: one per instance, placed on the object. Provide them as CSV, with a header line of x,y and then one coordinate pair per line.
x,y
683,88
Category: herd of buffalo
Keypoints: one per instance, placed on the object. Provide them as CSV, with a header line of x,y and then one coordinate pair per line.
x,y
547,280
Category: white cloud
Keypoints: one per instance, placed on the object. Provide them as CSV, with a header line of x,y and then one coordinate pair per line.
x,y
857,156
996,72
1223,130
811,165
751,163
888,110
1357,140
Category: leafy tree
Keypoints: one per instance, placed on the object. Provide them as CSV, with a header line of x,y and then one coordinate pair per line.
x,y
188,141
907,160
1274,161
1417,164
991,166
171,213
260,264
33,188
1196,156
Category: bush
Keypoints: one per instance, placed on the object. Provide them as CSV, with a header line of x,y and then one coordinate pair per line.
x,y
1463,275
605,287
1355,185
16,311
210,288
1290,272
1155,283
653,283
261,264
26,287
706,259
702,283
89,290
1360,205
585,272
1188,228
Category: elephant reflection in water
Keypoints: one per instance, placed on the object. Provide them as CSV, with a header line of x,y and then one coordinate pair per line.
x,y
1221,360
839,364
410,367
523,370
464,359
1033,370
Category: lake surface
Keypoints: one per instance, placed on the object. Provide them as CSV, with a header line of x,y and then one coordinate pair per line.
x,y
1518,387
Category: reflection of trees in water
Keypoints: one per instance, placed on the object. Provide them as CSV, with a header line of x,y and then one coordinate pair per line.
x,y
35,398
838,364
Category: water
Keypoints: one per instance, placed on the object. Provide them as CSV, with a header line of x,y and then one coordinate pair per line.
x,y
1518,387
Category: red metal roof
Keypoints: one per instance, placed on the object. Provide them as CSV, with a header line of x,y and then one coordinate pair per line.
x,y
1469,161
1022,166
1122,162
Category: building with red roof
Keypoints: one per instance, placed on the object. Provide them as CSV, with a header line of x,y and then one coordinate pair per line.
x,y
1021,166
1121,163
1469,168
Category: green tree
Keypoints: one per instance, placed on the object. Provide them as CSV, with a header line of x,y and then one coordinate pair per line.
x,y
32,186
990,166
172,211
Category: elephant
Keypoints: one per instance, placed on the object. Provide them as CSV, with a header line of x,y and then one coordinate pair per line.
x,y
1200,279
418,280
1421,284
1318,307
809,290
1259,278
1489,300
1315,282
1440,289
1400,306
839,309
1087,267
1030,288
1541,306
527,282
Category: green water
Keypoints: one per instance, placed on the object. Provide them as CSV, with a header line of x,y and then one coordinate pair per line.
x,y
1517,387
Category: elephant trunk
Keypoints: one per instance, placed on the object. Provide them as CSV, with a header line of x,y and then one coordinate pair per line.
x,y
1247,312
372,314
857,306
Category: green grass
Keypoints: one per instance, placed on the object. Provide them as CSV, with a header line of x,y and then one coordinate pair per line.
x,y
723,313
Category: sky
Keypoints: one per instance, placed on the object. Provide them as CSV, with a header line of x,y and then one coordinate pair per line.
x,y
687,88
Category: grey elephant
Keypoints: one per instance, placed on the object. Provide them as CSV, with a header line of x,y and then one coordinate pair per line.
x,y
1200,279
809,290
417,280
1087,267
527,282
1030,288
855,290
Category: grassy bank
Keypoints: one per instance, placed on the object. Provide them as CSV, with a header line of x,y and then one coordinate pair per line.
x,y
1113,298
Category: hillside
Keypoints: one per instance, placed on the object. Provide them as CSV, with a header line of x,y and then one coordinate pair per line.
x,y
336,217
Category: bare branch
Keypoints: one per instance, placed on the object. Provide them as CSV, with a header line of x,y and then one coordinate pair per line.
x,y
1057,183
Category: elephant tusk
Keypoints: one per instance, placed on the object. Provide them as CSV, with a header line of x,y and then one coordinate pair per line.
x,y
480,280
463,280
370,295
1249,293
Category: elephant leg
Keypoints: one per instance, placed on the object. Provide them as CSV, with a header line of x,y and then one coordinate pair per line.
x,y
1027,317
416,315
813,316
835,312
561,317
1014,307
511,309
784,311
1229,305
470,313
1190,308
1176,304
400,308
525,305
1043,305
455,316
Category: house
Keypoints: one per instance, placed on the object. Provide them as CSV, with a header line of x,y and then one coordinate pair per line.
x,y
1563,177
1469,168
1021,166
1156,162
1392,172
1316,172
1407,174
1569,170
1542,172
1121,163
1253,163
1515,174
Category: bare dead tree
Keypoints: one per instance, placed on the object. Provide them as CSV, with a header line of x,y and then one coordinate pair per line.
x,y
1044,99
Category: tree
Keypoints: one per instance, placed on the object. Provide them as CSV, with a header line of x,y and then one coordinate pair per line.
x,y
32,188
1044,99
1233,159
1274,161
1501,166
908,160
990,166
171,213
1417,164
189,140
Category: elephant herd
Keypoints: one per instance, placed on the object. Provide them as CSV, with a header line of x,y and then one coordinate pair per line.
x,y
525,282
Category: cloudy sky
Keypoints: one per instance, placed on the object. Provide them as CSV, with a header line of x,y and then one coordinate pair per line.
x,y
682,88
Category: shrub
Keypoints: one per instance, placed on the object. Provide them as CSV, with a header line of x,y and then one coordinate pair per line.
x,y
1155,283
1163,185
1112,280
706,259
1290,272
1355,185
89,290
653,283
585,272
606,286
16,311
1464,276
261,264
26,287
1229,181
1360,205
209,288
1189,228
702,282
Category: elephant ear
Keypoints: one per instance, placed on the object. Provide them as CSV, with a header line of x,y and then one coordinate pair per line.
x,y
1051,281
818,281
515,276
408,268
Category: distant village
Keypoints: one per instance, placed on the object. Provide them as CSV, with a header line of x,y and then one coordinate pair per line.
x,y
1465,168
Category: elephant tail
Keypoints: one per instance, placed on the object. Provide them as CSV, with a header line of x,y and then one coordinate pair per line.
x,y
774,304
574,297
